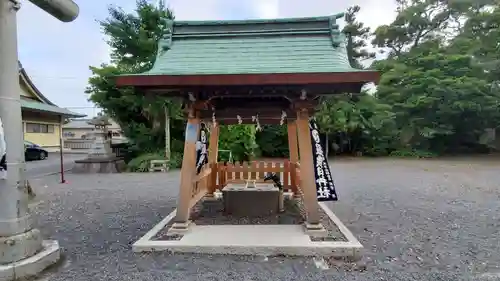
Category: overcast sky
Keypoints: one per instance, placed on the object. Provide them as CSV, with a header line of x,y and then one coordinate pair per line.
x,y
57,55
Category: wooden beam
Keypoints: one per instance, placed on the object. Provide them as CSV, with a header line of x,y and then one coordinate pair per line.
x,y
292,141
253,90
213,149
197,197
304,104
250,103
265,110
231,113
198,105
248,79
249,121
204,173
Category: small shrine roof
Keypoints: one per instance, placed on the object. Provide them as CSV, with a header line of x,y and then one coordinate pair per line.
x,y
198,53
99,120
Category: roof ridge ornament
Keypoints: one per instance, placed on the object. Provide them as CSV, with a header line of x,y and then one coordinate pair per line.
x,y
335,33
283,116
255,119
166,42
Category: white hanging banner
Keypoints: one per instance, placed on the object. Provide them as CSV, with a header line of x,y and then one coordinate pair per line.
x,y
201,148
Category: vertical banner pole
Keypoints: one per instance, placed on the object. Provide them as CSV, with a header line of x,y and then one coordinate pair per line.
x,y
167,133
61,146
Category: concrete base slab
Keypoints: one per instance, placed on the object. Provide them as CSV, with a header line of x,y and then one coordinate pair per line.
x,y
267,240
104,165
33,265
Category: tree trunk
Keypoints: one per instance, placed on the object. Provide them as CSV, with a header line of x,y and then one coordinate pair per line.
x,y
281,201
341,141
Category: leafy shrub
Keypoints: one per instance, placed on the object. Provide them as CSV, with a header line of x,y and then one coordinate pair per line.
x,y
175,160
142,162
240,139
272,141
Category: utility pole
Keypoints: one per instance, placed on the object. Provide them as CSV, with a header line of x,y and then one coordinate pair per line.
x,y
23,252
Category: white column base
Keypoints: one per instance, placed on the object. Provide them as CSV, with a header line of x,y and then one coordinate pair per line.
x,y
315,230
179,228
49,255
21,246
16,226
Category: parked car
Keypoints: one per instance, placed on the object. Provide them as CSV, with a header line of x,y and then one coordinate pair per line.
x,y
33,151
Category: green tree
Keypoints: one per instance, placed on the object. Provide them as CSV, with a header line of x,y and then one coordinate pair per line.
x,y
273,141
442,101
479,38
337,116
441,96
358,123
357,38
417,21
239,139
133,38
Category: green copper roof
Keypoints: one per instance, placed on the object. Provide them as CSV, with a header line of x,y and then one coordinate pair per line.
x,y
47,108
301,45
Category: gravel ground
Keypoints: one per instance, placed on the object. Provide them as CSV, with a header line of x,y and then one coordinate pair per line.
x,y
212,213
418,220
209,213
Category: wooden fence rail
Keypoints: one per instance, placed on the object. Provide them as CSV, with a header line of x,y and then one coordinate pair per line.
x,y
256,170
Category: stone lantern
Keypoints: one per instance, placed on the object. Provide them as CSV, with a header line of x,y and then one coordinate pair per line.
x,y
100,158
101,148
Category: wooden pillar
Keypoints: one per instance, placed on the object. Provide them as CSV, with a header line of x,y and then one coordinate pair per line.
x,y
292,141
213,152
294,152
307,182
188,172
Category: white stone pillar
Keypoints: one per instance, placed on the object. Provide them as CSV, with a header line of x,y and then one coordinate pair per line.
x,y
18,239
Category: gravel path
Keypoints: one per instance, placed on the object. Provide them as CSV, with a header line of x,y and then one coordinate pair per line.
x,y
418,220
212,212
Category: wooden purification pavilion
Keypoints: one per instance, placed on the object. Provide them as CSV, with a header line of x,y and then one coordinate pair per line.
x,y
244,72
